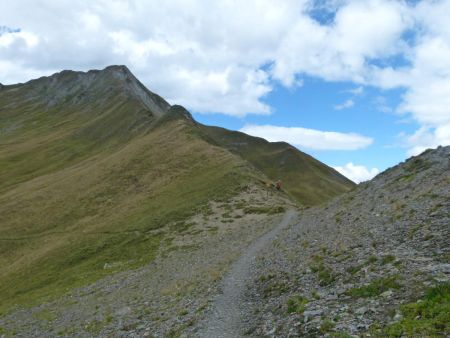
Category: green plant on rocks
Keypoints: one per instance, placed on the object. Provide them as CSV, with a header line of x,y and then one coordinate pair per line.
x,y
375,288
372,259
315,295
428,317
297,304
353,269
326,326
387,259
264,210
325,274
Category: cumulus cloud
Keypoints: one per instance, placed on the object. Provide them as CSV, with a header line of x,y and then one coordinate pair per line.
x,y
341,51
225,56
344,105
206,56
309,138
425,138
426,77
357,173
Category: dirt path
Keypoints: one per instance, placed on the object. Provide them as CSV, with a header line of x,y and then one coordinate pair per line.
x,y
226,319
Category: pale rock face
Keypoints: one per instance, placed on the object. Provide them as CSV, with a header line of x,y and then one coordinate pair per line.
x,y
76,88
134,87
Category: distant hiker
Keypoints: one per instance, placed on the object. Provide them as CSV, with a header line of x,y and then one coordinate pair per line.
x,y
278,184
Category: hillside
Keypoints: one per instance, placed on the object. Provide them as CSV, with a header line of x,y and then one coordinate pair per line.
x,y
309,181
98,175
372,262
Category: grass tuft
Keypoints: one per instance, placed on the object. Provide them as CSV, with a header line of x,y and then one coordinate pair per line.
x,y
375,288
428,317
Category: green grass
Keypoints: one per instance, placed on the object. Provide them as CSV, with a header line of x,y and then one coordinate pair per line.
x,y
354,269
372,259
61,228
45,315
387,259
297,304
326,326
375,288
428,317
269,210
315,295
325,275
306,179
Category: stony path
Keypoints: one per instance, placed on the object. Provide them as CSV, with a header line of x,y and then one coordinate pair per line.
x,y
226,318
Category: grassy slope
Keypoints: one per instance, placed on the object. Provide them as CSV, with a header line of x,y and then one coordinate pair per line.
x,y
65,226
71,202
89,176
306,179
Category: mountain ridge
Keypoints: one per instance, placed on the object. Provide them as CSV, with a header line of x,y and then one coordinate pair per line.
x,y
116,219
91,173
121,84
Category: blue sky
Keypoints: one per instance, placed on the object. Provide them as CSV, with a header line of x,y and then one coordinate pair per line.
x,y
359,84
313,106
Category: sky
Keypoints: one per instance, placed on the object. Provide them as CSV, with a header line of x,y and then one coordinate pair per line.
x,y
359,84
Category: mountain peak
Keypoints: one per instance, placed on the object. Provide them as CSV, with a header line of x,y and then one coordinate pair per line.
x,y
71,88
116,68
118,71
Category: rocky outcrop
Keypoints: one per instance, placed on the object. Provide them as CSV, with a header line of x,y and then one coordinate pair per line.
x,y
93,88
348,267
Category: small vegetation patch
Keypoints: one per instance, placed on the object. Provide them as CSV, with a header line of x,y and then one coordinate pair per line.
x,y
417,164
325,274
326,326
315,295
387,259
372,259
264,210
267,277
297,304
275,287
428,317
354,269
94,327
375,288
406,178
45,315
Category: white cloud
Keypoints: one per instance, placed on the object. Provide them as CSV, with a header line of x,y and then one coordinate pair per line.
x,y
357,173
362,30
214,56
345,105
425,138
309,138
426,77
206,56
356,91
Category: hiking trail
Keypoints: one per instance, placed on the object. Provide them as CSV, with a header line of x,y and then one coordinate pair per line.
x,y
229,310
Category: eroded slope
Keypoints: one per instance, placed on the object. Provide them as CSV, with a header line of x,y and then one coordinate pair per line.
x,y
349,268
